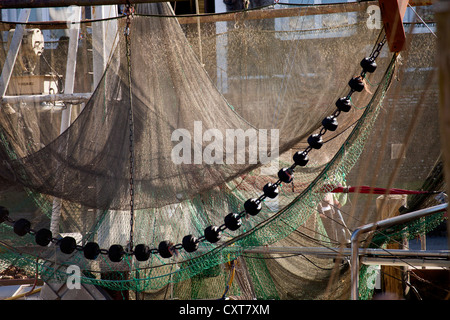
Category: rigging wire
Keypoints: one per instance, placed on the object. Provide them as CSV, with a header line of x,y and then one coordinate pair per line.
x,y
420,18
249,256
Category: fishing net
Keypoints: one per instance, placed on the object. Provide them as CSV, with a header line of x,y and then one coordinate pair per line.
x,y
191,118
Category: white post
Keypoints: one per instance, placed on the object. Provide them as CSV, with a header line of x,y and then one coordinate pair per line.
x,y
13,51
103,34
74,33
199,31
221,49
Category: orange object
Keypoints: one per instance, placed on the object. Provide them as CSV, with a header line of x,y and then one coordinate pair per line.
x,y
392,13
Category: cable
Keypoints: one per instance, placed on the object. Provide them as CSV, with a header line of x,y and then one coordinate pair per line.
x,y
288,256
426,25
230,280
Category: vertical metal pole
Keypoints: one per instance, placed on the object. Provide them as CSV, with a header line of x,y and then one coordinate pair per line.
x,y
354,265
221,49
74,33
13,51
199,31
103,34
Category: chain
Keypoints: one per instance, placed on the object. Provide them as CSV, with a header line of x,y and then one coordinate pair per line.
x,y
377,50
374,55
129,12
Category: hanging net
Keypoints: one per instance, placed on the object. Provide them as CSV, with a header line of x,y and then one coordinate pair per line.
x,y
191,118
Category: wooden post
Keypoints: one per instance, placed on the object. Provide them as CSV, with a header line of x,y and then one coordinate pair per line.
x,y
388,206
392,13
443,55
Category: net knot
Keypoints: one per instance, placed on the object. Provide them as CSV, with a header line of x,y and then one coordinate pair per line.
x,y
128,12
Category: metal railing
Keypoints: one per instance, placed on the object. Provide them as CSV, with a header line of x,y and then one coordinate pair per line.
x,y
383,224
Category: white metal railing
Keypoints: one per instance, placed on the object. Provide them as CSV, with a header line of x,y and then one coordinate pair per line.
x,y
383,224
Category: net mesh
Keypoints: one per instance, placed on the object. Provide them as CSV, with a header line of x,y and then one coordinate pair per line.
x,y
188,83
